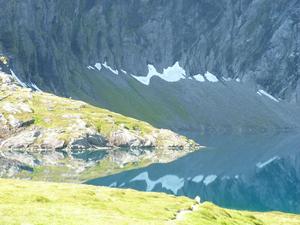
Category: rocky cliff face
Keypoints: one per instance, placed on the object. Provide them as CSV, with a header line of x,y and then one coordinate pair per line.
x,y
50,43
253,40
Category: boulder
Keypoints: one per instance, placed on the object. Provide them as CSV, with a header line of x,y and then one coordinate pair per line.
x,y
17,108
96,140
10,108
14,122
51,139
5,79
87,141
3,120
22,140
24,108
125,138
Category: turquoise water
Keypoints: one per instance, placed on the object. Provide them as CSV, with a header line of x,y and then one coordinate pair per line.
x,y
256,172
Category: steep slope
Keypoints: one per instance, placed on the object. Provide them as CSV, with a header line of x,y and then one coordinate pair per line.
x,y
51,44
51,203
59,123
204,104
207,106
40,129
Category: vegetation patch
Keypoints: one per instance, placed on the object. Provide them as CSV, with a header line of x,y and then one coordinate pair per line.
x,y
28,202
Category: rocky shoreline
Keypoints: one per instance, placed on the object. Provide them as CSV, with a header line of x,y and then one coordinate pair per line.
x,y
41,130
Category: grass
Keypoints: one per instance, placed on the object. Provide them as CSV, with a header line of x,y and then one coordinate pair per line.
x,y
50,111
23,202
210,214
27,202
53,108
103,120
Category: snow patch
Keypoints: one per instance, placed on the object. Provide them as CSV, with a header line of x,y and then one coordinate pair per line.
x,y
98,66
238,80
225,178
227,79
91,68
210,77
198,178
109,68
199,77
171,74
261,165
262,92
170,182
123,71
17,79
209,179
36,88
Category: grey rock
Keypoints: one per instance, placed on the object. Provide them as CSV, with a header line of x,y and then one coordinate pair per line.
x,y
125,138
3,120
24,108
22,140
51,140
10,108
96,140
14,122
87,141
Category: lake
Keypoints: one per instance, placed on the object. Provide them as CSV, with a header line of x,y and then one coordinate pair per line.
x,y
253,172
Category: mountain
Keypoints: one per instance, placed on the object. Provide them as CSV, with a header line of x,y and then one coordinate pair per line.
x,y
52,203
216,66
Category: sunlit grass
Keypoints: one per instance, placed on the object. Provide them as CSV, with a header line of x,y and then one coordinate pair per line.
x,y
28,202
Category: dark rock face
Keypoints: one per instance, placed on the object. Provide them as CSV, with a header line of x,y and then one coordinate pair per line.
x,y
252,39
51,43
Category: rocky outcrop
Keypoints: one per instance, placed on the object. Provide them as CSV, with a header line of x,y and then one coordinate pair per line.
x,y
36,120
88,141
22,140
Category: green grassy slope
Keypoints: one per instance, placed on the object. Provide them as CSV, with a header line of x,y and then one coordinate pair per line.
x,y
24,202
31,121
52,112
47,107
